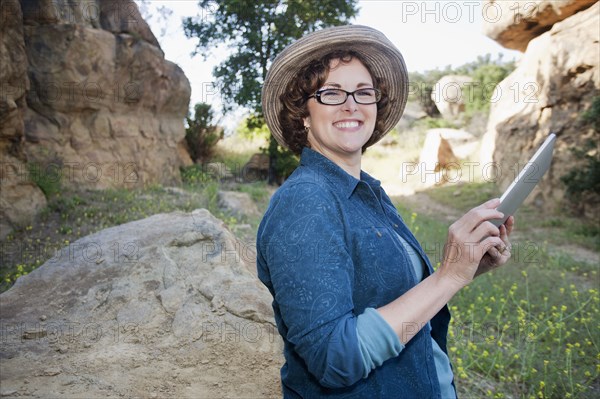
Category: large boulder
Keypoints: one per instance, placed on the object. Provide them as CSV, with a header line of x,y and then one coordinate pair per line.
x,y
168,306
238,203
514,23
554,84
20,199
450,95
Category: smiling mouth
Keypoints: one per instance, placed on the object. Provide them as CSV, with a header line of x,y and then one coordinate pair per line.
x,y
346,124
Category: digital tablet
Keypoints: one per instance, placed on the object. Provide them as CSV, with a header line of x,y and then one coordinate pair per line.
x,y
526,180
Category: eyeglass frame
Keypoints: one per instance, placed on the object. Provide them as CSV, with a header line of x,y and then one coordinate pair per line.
x,y
317,95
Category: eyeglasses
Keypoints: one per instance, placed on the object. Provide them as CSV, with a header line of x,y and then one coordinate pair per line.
x,y
339,96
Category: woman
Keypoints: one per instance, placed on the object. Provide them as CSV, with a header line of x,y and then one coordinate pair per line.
x,y
360,309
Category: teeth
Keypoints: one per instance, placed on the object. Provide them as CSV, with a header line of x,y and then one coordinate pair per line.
x,y
346,124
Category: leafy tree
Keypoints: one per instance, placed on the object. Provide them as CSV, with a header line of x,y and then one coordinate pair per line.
x,y
202,134
256,31
486,74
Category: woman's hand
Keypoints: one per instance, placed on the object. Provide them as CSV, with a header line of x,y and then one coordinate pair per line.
x,y
496,257
475,245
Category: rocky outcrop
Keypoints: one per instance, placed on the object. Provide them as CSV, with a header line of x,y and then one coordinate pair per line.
x,y
442,152
514,23
553,85
237,203
104,105
100,105
20,199
168,306
412,113
257,168
450,95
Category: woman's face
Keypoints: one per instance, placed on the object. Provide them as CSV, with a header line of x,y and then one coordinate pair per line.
x,y
340,131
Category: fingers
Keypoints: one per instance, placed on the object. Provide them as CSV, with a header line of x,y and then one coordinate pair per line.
x,y
504,236
490,204
476,216
495,247
485,229
503,230
500,252
485,211
472,236
509,224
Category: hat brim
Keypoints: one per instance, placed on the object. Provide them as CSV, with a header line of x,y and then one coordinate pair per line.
x,y
384,59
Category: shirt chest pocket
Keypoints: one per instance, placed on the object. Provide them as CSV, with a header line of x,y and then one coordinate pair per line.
x,y
382,271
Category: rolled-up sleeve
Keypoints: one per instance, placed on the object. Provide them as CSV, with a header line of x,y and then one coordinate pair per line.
x,y
310,270
377,340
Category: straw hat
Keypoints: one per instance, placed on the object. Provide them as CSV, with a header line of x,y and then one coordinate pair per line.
x,y
384,59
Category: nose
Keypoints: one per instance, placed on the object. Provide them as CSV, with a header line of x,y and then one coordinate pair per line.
x,y
350,104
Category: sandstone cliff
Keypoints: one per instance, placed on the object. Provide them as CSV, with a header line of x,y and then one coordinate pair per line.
x,y
20,199
100,105
514,23
553,85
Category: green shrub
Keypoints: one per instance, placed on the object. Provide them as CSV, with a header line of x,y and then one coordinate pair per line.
x,y
202,134
592,115
195,174
47,177
583,181
586,178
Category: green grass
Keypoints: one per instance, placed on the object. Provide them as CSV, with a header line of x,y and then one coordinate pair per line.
x,y
528,330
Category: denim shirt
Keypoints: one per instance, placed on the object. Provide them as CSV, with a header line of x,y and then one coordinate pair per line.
x,y
327,249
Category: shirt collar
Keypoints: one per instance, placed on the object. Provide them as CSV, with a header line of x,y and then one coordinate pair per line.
x,y
335,174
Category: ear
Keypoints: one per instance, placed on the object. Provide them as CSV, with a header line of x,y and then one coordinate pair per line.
x,y
307,122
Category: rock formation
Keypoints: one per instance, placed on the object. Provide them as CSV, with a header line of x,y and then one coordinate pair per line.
x,y
20,199
514,23
167,306
442,152
237,203
257,168
103,107
554,84
449,95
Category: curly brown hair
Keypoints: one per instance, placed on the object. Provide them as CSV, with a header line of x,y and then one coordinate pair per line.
x,y
308,81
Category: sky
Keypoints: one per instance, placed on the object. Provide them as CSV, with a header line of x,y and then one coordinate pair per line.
x,y
430,35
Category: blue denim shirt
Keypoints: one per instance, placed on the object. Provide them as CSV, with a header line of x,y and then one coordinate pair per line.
x,y
327,249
